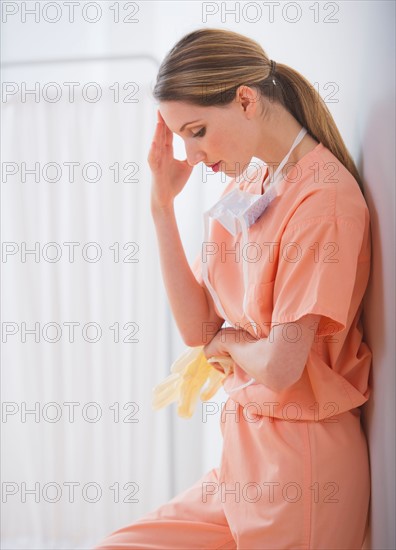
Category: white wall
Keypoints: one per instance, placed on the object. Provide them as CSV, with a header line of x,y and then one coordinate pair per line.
x,y
375,126
353,56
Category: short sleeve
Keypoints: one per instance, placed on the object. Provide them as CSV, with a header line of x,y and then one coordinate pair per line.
x,y
317,268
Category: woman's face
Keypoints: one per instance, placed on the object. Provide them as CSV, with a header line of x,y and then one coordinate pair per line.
x,y
213,134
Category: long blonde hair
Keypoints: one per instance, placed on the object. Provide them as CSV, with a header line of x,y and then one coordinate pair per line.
x,y
206,66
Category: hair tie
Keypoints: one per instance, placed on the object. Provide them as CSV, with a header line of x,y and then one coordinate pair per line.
x,y
273,67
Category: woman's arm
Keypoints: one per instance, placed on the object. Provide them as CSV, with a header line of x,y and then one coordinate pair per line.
x,y
191,306
277,361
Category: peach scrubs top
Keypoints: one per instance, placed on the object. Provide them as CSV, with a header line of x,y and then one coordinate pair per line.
x,y
309,252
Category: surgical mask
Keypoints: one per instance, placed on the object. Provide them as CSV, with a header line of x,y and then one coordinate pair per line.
x,y
236,212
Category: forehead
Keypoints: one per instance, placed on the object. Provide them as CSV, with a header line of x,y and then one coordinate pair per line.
x,y
179,112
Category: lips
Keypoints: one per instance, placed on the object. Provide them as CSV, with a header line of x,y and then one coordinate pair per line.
x,y
215,167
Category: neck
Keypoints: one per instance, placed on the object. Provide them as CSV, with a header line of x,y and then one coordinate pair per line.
x,y
278,134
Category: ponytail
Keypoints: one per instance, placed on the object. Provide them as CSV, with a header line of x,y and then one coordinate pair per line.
x,y
303,101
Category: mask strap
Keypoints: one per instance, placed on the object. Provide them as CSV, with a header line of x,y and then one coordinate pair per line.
x,y
213,293
245,268
205,272
241,386
299,137
245,240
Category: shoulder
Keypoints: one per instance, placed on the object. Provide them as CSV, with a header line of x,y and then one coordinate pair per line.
x,y
326,192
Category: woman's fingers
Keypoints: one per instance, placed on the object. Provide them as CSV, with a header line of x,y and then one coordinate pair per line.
x,y
167,129
168,134
161,119
162,144
158,145
217,366
159,137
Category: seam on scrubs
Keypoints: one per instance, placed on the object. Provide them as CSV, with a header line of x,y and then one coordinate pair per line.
x,y
333,192
317,309
223,543
364,259
317,220
313,308
345,387
308,483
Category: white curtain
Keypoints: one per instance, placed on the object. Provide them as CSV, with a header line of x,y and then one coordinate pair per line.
x,y
85,452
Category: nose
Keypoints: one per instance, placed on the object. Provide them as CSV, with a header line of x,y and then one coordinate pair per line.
x,y
193,161
194,156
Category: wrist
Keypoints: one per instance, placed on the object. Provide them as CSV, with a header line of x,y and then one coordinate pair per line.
x,y
229,339
158,209
236,339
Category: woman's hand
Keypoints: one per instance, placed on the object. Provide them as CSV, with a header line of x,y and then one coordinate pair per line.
x,y
169,175
218,345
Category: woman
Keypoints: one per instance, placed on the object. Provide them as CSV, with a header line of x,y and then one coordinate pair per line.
x,y
294,471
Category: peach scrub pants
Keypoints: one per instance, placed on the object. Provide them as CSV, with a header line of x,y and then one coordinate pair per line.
x,y
282,484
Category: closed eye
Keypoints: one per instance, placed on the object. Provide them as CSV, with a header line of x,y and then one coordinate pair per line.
x,y
201,133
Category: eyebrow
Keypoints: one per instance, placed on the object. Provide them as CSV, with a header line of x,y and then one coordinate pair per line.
x,y
187,124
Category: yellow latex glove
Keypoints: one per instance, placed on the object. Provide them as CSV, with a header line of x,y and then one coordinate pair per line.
x,y
189,374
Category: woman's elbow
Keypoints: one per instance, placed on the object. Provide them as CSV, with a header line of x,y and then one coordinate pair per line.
x,y
190,340
201,333
194,339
